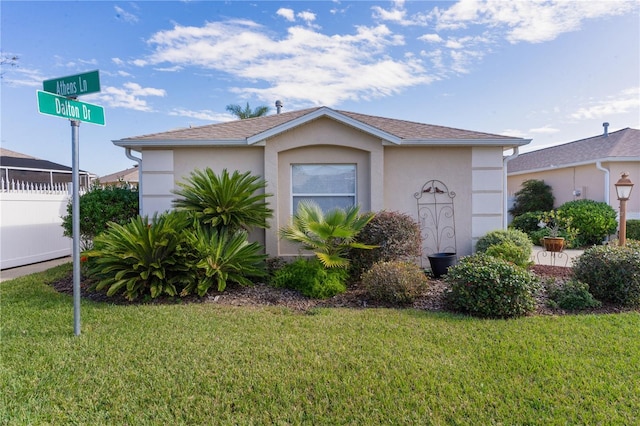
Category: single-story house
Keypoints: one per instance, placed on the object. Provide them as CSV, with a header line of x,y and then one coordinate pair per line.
x,y
584,169
128,177
17,169
452,181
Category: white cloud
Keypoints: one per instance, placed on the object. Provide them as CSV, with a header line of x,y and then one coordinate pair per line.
x,y
626,101
303,66
204,115
129,96
398,15
546,130
117,61
308,17
528,21
286,13
125,16
23,77
431,38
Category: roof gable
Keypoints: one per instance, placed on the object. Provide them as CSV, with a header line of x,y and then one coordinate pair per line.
x,y
622,144
258,130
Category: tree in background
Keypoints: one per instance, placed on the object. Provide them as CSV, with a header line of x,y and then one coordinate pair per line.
x,y
247,112
535,196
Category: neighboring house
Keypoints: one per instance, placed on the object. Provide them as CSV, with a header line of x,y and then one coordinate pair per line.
x,y
34,195
584,169
128,177
341,158
21,169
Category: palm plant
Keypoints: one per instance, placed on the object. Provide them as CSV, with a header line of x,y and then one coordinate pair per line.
x,y
330,235
222,257
247,112
225,201
141,256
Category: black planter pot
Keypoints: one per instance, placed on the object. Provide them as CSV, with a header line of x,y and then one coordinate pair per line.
x,y
440,263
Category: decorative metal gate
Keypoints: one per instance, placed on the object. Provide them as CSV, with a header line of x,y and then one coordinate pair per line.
x,y
437,219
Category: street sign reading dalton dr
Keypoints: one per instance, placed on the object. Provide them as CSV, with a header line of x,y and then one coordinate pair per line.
x,y
74,85
51,104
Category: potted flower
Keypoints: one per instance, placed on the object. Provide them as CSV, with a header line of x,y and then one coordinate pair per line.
x,y
558,225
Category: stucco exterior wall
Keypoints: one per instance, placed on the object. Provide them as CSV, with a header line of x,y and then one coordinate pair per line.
x,y
388,176
407,169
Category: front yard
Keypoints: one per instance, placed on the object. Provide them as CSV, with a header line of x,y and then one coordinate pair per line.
x,y
214,364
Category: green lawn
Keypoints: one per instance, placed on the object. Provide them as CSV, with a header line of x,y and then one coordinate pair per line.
x,y
208,364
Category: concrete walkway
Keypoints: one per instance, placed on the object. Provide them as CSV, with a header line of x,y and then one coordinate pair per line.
x,y
20,271
564,258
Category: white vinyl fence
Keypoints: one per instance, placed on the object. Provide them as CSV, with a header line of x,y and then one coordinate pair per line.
x,y
31,223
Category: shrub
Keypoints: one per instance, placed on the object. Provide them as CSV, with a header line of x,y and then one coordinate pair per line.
x,y
394,282
499,236
535,195
612,273
311,278
509,251
396,236
572,295
142,257
527,223
594,220
329,235
223,256
98,207
224,201
486,286
633,229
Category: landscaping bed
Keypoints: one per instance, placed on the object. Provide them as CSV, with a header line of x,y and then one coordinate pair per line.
x,y
265,295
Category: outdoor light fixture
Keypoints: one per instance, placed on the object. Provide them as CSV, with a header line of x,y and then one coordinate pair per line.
x,y
623,190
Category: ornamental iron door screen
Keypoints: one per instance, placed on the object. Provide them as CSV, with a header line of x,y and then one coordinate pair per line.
x,y
436,218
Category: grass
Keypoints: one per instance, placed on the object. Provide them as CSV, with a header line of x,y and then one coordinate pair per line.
x,y
208,364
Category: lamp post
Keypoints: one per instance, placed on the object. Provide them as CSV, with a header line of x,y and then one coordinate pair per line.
x,y
623,190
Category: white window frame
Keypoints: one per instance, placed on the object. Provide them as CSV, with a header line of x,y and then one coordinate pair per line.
x,y
312,195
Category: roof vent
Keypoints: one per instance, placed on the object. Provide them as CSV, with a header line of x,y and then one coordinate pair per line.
x,y
278,107
606,129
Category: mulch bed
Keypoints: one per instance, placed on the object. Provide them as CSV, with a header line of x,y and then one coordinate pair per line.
x,y
265,295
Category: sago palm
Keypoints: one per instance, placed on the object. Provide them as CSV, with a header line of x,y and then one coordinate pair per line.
x,y
225,201
329,235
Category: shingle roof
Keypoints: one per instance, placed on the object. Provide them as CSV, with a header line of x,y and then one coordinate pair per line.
x,y
248,128
128,175
12,159
623,143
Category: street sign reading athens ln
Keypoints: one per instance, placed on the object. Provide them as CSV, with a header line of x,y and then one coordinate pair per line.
x,y
60,106
74,85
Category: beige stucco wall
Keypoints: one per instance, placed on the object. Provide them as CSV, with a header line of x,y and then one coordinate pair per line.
x,y
388,176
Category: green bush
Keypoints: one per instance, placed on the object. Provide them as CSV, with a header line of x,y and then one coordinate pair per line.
x,y
311,278
572,295
509,251
142,257
395,282
612,273
535,195
527,222
485,286
594,220
633,229
330,235
499,236
396,236
225,201
98,207
221,257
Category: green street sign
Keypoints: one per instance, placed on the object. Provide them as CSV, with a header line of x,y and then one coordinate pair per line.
x,y
51,104
74,85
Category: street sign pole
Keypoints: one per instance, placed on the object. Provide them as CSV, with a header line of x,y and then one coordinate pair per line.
x,y
75,218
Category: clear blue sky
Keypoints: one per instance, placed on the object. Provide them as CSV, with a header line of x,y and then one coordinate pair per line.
x,y
552,71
